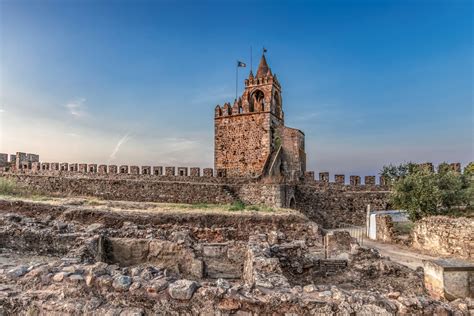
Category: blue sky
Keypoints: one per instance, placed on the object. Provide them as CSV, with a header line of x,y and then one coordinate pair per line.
x,y
369,82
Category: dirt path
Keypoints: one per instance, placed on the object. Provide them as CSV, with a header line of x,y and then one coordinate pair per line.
x,y
405,256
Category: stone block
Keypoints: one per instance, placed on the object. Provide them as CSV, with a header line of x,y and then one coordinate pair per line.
x,y
214,250
194,172
324,176
369,180
82,167
54,166
208,172
449,278
134,170
170,171
340,178
112,169
102,169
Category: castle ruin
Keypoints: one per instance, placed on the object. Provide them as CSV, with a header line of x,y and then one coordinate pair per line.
x,y
257,160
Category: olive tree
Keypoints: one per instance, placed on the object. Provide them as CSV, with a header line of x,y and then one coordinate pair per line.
x,y
422,192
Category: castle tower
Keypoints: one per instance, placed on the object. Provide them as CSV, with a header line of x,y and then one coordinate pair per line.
x,y
250,136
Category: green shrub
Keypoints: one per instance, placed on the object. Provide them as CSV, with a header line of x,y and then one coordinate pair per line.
x,y
423,193
8,187
237,206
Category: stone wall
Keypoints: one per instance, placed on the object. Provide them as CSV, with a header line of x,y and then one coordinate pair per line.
x,y
326,203
445,236
242,143
127,189
332,205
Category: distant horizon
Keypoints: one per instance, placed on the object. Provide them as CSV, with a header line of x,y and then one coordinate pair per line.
x,y
369,83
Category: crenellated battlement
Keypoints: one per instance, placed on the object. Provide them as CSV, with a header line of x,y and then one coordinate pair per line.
x,y
29,163
371,180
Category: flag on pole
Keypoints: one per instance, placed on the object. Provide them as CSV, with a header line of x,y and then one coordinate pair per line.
x,y
241,64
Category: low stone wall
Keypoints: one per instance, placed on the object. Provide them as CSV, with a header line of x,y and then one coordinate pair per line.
x,y
445,236
329,207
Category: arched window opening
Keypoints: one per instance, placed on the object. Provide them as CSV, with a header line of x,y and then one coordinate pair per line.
x,y
241,110
257,101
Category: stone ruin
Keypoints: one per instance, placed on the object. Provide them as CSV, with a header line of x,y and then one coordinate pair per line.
x,y
123,255
74,257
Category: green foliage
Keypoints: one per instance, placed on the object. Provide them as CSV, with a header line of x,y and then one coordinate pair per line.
x,y
9,187
392,173
237,206
469,170
422,192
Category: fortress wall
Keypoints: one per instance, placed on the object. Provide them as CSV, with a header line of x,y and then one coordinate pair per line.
x,y
328,205
129,176
126,189
332,206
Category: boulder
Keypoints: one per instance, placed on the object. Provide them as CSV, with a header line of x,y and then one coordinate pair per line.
x,y
122,283
182,289
157,285
17,272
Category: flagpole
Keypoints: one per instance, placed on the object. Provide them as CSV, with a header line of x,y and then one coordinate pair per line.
x,y
236,78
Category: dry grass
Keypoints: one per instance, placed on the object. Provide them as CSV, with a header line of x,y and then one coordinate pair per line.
x,y
109,205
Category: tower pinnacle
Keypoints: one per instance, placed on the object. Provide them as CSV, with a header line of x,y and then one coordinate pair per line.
x,y
263,69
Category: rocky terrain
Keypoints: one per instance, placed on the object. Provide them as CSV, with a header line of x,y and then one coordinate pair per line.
x,y
76,257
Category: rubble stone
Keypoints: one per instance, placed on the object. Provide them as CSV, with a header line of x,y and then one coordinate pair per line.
x,y
122,282
182,289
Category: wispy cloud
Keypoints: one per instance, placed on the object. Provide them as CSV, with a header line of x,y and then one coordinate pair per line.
x,y
77,107
122,141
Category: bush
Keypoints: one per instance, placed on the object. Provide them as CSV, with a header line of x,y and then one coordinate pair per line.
x,y
422,192
237,206
8,187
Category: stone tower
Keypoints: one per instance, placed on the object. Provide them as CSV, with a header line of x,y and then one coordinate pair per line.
x,y
250,137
